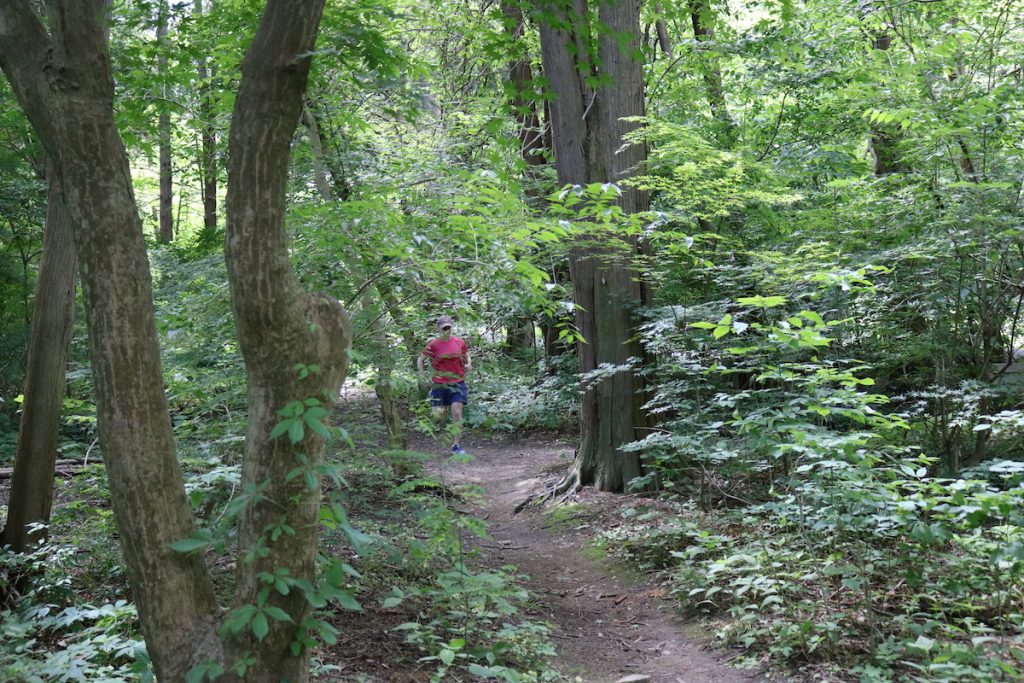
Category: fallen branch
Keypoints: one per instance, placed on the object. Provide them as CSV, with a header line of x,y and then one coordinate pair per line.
x,y
65,466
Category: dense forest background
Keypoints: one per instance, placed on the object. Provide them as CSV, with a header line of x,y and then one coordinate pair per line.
x,y
764,257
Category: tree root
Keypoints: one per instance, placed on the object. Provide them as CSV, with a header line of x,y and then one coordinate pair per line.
x,y
564,490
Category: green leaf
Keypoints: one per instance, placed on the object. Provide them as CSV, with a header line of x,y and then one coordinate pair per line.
x,y
762,301
703,325
447,656
280,428
296,431
348,602
923,643
190,545
277,613
260,627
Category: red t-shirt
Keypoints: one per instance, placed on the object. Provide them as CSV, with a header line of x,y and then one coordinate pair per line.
x,y
446,358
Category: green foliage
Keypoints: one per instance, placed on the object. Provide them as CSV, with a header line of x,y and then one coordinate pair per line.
x,y
42,641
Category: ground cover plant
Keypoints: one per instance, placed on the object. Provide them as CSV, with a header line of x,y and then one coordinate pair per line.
x,y
762,258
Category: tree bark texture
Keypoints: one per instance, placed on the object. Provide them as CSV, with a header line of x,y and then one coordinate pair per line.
x,y
279,324
62,79
166,233
664,42
53,317
321,176
588,131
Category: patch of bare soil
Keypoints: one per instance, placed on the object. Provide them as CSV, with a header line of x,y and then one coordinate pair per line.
x,y
608,627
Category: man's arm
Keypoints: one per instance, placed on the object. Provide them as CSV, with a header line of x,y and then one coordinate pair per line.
x,y
467,362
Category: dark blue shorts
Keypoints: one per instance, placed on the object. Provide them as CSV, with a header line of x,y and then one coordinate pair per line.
x,y
447,394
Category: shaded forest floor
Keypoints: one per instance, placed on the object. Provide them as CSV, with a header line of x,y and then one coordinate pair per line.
x,y
608,624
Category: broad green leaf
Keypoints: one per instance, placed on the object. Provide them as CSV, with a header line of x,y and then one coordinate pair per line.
x,y
762,301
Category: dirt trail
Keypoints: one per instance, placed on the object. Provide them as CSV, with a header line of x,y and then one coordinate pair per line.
x,y
607,627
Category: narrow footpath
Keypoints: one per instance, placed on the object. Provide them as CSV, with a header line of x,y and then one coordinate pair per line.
x,y
609,628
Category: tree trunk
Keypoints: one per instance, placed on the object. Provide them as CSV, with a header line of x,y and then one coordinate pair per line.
x,y
53,319
164,131
588,130
208,155
522,97
664,42
321,176
279,326
521,334
884,141
383,386
700,18
62,79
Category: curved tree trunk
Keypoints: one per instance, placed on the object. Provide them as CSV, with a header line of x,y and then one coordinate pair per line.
x,y
279,327
62,78
53,318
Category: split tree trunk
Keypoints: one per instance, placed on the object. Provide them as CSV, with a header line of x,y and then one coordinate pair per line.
x,y
53,318
60,72
588,130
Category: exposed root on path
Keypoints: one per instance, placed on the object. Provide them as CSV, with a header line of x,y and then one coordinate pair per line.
x,y
564,490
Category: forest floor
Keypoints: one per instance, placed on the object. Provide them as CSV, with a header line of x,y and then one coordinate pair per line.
x,y
609,623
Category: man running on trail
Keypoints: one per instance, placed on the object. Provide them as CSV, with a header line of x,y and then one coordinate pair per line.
x,y
449,356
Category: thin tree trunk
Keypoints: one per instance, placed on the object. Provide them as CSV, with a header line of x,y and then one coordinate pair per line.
x,y
321,175
884,141
52,326
164,131
664,42
522,98
208,156
703,32
383,386
280,326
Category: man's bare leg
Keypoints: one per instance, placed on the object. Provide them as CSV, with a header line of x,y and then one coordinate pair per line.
x,y
456,423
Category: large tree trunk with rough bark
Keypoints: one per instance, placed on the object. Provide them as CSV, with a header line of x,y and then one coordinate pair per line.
x,y
53,319
588,131
280,326
62,78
